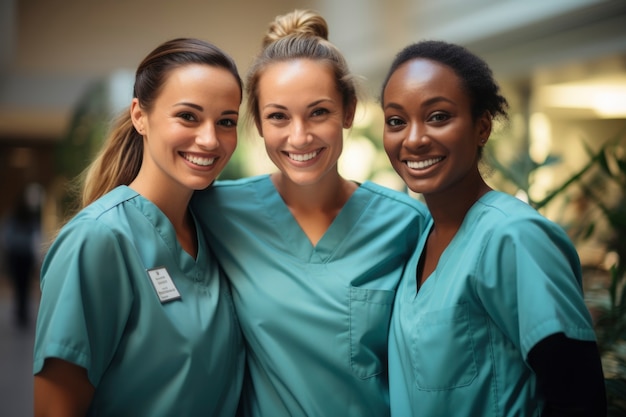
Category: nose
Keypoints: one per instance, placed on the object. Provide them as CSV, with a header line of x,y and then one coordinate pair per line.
x,y
206,137
417,136
299,136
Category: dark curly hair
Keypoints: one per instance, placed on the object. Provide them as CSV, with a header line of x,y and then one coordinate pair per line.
x,y
475,75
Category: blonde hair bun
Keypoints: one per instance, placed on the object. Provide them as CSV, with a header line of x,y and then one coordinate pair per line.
x,y
298,22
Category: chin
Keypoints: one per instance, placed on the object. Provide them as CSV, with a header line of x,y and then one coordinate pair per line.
x,y
303,179
416,188
200,185
203,187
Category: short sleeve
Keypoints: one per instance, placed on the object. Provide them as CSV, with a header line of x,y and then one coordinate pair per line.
x,y
529,282
86,298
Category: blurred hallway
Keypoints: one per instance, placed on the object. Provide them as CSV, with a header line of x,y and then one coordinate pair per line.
x,y
16,351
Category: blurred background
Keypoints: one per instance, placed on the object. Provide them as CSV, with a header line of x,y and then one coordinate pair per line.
x,y
66,67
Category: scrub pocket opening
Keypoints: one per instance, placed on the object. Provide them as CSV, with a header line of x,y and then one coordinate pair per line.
x,y
442,349
370,312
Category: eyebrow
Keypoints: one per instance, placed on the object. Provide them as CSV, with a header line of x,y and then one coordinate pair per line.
x,y
200,108
428,102
313,104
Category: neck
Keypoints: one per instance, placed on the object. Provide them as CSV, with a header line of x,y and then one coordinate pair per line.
x,y
448,208
329,194
174,203
315,206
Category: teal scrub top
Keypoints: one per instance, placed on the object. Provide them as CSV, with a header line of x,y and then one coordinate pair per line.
x,y
100,310
459,346
315,318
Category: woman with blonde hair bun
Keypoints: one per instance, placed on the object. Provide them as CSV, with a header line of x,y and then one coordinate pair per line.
x,y
313,258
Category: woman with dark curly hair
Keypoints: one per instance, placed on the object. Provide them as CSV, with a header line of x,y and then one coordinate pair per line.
x,y
489,319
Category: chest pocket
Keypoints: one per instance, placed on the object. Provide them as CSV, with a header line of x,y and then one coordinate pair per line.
x,y
370,312
442,349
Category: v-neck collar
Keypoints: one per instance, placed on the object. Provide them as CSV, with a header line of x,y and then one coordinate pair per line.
x,y
468,221
296,241
164,228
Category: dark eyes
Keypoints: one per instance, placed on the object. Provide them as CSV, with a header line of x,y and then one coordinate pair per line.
x,y
283,116
319,112
433,118
189,117
228,122
394,122
276,116
438,117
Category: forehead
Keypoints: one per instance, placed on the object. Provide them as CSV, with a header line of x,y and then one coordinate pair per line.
x,y
200,79
297,74
421,71
423,76
194,72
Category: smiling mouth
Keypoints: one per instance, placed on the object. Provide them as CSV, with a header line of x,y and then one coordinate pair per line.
x,y
197,160
303,157
423,164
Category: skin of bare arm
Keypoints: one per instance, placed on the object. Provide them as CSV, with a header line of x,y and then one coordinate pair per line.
x,y
62,389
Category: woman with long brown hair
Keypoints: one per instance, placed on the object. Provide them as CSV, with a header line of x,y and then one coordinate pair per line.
x,y
136,318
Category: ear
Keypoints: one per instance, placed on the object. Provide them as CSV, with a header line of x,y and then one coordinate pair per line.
x,y
483,128
137,116
348,117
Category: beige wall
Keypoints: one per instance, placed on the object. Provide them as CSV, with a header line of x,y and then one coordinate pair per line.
x,y
51,51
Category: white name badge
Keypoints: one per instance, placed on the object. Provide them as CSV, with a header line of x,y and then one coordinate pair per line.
x,y
163,284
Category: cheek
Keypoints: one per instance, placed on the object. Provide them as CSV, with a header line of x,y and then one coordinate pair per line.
x,y
339,146
386,144
231,144
173,135
269,142
390,144
334,135
271,134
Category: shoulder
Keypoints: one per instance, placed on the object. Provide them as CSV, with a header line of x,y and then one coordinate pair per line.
x,y
394,199
507,212
108,203
227,185
231,189
504,205
510,222
103,216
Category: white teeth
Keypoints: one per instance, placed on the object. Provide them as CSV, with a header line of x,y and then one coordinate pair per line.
x,y
198,160
303,157
422,164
